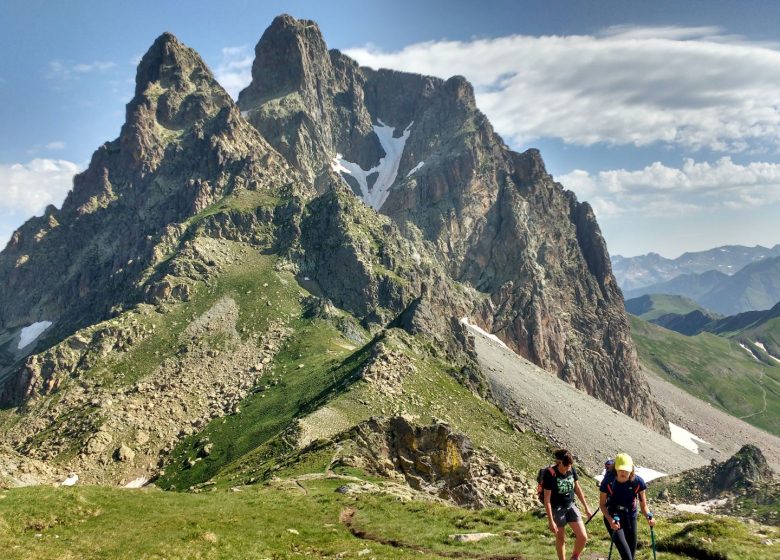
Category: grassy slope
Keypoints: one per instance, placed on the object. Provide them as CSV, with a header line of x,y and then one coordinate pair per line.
x,y
90,522
663,304
714,369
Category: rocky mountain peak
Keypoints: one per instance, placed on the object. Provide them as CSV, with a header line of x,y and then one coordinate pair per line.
x,y
174,83
290,56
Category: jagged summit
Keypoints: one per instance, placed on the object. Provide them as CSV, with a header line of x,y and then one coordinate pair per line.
x,y
174,87
287,58
417,149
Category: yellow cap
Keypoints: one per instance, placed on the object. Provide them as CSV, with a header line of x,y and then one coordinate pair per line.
x,y
624,462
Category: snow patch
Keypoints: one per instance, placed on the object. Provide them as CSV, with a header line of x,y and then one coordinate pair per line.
x,y
386,169
749,351
646,473
761,345
683,437
701,507
31,332
465,321
139,482
70,481
244,113
415,168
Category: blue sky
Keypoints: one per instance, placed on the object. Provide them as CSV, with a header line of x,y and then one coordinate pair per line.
x,y
664,115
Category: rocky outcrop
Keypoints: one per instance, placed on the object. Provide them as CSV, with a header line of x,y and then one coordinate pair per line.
x,y
437,461
743,473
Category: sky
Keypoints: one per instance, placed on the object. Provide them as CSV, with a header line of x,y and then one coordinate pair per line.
x,y
663,115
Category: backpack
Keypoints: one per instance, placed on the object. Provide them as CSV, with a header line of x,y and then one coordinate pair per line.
x,y
540,478
611,491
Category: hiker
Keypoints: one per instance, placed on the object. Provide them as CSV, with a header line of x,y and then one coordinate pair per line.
x,y
609,470
619,496
559,484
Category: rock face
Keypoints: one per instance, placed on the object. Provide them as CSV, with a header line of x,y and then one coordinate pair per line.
x,y
306,101
495,219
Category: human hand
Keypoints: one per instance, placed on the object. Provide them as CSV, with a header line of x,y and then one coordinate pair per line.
x,y
615,525
553,527
651,521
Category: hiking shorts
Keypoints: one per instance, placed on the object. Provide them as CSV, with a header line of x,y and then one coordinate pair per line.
x,y
566,514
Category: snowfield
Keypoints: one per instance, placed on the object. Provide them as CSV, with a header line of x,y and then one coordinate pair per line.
x,y
386,169
683,437
32,332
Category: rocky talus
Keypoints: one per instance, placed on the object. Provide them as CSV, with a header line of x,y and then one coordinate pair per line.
x,y
121,434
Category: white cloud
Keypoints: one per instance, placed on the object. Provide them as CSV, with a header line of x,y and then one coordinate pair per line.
x,y
234,71
56,145
659,190
27,188
59,70
687,87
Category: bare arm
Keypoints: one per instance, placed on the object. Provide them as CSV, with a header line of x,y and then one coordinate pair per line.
x,y
644,508
548,509
581,496
607,516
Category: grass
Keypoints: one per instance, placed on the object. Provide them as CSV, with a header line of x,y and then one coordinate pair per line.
x,y
653,306
715,369
252,435
307,520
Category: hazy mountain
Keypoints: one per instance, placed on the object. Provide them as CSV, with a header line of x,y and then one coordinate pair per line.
x,y
633,273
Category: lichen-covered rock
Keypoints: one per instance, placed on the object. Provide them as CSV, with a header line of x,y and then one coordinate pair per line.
x,y
437,461
124,454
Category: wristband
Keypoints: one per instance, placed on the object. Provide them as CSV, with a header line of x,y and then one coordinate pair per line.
x,y
649,515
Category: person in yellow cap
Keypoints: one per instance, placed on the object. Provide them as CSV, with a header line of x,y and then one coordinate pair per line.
x,y
618,502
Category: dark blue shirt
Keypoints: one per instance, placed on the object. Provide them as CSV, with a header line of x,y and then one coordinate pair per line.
x,y
623,496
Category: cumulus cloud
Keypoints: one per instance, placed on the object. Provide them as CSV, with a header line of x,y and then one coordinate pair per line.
x,y
27,188
659,190
682,86
234,71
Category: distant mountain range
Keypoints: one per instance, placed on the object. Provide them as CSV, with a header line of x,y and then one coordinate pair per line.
x,y
633,273
756,286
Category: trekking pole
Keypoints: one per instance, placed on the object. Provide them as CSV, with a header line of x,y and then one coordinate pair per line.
x,y
652,540
616,518
592,515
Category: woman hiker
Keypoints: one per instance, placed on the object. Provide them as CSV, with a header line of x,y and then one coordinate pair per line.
x,y
619,497
560,485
